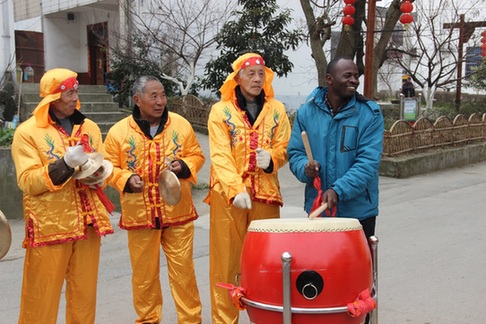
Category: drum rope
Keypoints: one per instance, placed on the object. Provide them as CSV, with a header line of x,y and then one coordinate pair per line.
x,y
362,305
236,294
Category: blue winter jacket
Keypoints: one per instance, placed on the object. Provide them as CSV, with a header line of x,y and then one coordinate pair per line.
x,y
348,147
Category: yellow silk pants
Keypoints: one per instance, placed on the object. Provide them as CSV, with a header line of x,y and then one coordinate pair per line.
x,y
177,243
227,231
45,269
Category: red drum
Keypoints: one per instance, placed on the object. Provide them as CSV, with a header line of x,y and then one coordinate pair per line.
x,y
331,265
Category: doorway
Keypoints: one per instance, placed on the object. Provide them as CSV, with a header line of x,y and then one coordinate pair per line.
x,y
97,52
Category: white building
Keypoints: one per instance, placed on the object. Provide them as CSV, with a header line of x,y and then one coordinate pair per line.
x,y
67,33
7,41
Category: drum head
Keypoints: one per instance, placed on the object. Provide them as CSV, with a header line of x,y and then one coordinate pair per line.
x,y
5,235
290,225
169,187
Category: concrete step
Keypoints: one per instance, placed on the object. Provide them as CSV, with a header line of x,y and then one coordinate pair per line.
x,y
105,127
111,107
83,97
83,88
96,104
99,106
106,117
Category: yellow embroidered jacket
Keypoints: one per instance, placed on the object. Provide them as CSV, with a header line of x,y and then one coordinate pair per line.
x,y
132,152
233,156
55,213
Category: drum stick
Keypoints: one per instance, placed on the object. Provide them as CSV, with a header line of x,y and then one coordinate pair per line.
x,y
308,151
318,211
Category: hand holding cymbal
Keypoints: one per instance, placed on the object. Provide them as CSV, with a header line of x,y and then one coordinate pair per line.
x,y
5,235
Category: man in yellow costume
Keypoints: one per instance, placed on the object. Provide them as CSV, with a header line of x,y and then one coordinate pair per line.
x,y
64,219
248,135
140,147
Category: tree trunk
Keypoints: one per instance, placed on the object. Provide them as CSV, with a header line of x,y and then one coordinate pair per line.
x,y
315,28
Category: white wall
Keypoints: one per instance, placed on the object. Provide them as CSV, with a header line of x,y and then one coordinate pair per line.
x,y
7,40
66,43
62,43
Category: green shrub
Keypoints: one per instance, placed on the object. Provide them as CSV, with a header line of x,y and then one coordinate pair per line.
x,y
6,136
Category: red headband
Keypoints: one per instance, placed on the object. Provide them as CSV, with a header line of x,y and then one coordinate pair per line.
x,y
67,84
254,60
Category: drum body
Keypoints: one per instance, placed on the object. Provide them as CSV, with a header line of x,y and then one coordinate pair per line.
x,y
331,265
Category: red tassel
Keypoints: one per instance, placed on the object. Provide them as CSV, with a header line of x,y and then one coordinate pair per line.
x,y
362,305
318,201
84,141
104,199
236,293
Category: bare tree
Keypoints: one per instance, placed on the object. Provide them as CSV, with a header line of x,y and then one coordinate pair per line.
x,y
322,15
319,28
430,52
176,35
386,76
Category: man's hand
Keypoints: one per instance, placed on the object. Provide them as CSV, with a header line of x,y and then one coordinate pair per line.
x,y
135,183
311,169
330,197
75,156
242,200
175,167
263,158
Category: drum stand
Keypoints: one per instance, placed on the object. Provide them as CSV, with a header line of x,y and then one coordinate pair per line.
x,y
373,242
287,308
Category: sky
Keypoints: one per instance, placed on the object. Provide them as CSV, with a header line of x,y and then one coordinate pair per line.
x,y
303,79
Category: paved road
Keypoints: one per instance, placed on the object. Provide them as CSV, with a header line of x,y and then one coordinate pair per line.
x,y
432,253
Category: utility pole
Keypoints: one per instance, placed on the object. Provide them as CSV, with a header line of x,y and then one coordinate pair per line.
x,y
369,48
466,29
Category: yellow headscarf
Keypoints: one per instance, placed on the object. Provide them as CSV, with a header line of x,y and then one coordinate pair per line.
x,y
228,88
53,82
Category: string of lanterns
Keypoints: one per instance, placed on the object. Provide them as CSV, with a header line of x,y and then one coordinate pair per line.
x,y
483,44
406,8
348,11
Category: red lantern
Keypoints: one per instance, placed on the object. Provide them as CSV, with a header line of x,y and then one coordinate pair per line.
x,y
348,20
349,10
406,8
483,44
406,18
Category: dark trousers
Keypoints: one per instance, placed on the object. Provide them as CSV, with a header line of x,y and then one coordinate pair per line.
x,y
368,226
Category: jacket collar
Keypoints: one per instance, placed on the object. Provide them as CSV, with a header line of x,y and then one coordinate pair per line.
x,y
77,118
145,125
318,96
241,100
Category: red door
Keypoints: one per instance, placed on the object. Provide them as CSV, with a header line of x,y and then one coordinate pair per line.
x,y
97,52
